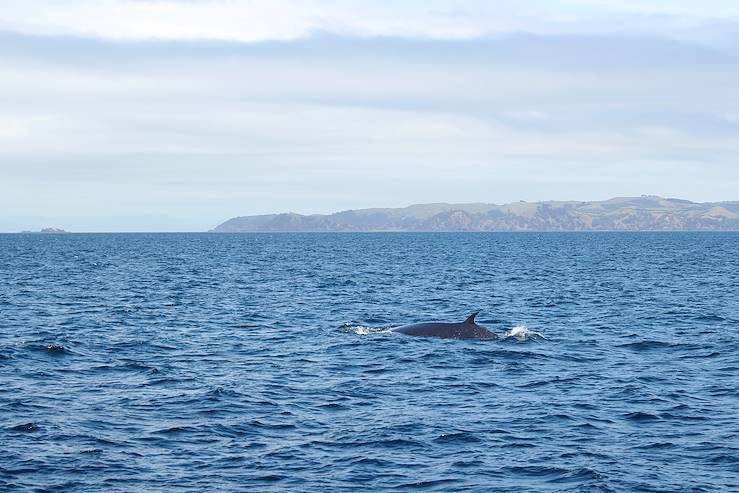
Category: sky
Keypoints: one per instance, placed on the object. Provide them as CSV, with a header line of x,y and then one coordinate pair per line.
x,y
175,115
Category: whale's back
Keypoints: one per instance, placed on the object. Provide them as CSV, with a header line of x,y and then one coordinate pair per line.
x,y
465,330
432,329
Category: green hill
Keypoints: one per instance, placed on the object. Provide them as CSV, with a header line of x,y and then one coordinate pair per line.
x,y
645,213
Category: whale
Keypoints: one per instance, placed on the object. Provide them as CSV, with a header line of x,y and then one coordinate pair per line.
x,y
464,330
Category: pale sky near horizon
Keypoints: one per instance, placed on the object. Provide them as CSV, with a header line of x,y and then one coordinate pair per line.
x,y
174,115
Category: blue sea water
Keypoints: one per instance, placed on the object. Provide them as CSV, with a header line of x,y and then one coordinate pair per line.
x,y
263,362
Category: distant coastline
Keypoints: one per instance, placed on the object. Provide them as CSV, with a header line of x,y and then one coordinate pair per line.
x,y
45,231
645,213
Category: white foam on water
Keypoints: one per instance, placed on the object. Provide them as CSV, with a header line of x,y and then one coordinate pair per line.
x,y
522,333
362,330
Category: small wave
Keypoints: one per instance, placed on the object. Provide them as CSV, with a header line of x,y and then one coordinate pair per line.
x,y
722,459
683,417
169,381
24,428
271,426
395,443
461,437
432,484
647,345
713,354
95,451
555,474
50,349
220,392
641,417
126,367
333,407
270,478
464,464
522,333
173,430
371,462
655,445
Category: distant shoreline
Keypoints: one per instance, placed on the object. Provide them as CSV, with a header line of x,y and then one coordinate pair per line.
x,y
220,233
646,213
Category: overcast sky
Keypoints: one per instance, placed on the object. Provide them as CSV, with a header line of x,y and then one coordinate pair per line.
x,y
166,115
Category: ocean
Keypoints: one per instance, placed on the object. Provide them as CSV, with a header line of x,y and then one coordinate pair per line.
x,y
264,362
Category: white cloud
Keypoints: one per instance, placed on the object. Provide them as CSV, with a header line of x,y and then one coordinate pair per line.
x,y
253,20
336,103
13,129
259,20
202,130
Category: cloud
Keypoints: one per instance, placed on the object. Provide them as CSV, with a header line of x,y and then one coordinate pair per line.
x,y
99,120
244,21
574,97
261,20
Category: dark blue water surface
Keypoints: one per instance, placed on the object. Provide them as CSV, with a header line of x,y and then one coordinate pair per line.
x,y
261,362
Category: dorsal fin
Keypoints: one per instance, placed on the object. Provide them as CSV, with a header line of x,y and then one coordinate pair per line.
x,y
471,318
